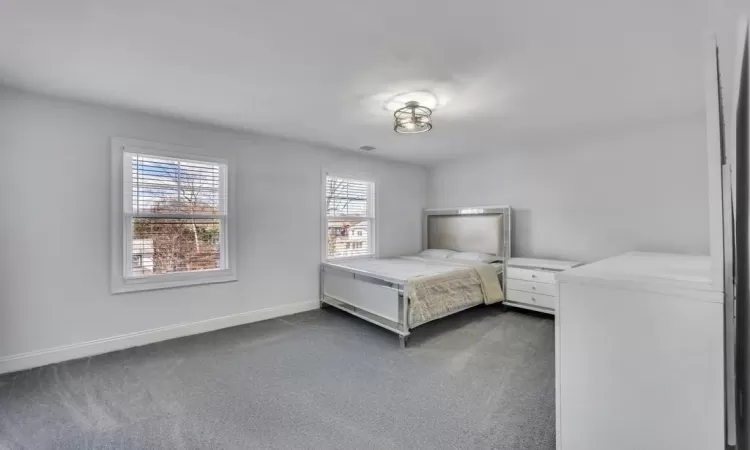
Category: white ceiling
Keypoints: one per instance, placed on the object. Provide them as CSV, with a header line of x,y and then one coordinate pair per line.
x,y
507,72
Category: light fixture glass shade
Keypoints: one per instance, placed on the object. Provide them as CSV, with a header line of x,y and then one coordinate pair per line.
x,y
412,119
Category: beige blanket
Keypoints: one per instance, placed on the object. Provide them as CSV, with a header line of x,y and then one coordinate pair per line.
x,y
435,296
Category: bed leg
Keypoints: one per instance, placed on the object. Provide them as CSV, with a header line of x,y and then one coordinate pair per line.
x,y
403,340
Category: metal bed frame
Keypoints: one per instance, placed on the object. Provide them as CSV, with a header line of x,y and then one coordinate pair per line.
x,y
382,300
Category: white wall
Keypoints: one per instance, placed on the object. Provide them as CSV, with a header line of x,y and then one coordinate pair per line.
x,y
592,197
55,231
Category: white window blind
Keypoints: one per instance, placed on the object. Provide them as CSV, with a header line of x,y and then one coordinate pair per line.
x,y
349,217
175,213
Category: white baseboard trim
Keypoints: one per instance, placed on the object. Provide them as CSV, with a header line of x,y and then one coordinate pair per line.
x,y
53,355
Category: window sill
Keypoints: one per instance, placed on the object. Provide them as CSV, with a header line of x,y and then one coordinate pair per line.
x,y
346,258
168,281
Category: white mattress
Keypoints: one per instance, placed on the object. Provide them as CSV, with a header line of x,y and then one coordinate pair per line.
x,y
399,270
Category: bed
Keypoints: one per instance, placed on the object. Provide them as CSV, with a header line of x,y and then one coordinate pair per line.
x,y
400,294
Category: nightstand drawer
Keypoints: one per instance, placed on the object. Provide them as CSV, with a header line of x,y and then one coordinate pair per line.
x,y
542,301
540,276
533,287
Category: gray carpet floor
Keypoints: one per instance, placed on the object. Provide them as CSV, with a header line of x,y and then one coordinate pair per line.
x,y
480,379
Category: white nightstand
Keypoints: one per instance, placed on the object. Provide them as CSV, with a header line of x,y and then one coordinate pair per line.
x,y
531,283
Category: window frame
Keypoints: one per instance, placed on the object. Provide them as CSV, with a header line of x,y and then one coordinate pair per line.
x,y
372,218
121,231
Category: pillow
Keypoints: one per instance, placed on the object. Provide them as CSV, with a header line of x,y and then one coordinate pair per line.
x,y
476,256
436,253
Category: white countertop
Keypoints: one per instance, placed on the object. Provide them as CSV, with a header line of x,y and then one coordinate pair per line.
x,y
646,271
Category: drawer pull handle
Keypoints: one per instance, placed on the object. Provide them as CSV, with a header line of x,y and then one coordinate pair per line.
x,y
533,275
533,299
533,288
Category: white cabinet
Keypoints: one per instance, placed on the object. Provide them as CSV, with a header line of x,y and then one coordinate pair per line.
x,y
532,285
639,346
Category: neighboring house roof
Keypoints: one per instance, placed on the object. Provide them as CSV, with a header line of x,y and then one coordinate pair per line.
x,y
359,225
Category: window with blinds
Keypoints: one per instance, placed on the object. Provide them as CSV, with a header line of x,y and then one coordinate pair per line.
x,y
349,216
175,213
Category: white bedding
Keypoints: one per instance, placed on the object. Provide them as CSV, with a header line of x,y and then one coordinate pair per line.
x,y
403,268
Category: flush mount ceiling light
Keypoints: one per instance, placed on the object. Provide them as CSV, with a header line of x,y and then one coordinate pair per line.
x,y
412,119
392,102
